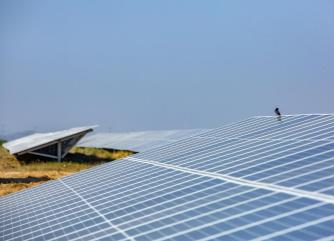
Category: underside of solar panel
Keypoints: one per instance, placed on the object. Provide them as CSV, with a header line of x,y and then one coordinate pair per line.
x,y
262,178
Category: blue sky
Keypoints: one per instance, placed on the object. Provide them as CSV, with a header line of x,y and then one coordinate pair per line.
x,y
149,65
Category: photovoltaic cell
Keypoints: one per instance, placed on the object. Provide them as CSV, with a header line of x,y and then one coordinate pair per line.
x,y
257,179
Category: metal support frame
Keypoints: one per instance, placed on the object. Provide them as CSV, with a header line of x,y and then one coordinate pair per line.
x,y
68,148
42,154
59,151
59,156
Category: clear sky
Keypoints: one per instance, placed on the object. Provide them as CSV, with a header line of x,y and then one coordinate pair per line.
x,y
173,64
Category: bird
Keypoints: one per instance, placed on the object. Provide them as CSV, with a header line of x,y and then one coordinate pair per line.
x,y
278,113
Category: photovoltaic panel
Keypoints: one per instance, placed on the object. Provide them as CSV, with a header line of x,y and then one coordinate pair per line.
x,y
40,139
136,141
257,179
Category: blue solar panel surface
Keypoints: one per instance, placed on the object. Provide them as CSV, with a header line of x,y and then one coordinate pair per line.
x,y
257,179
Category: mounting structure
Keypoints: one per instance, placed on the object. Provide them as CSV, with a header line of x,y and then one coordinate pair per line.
x,y
54,145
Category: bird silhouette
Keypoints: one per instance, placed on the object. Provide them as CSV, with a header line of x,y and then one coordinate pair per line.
x,y
278,113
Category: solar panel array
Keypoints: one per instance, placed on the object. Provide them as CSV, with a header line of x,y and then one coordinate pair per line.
x,y
257,179
136,141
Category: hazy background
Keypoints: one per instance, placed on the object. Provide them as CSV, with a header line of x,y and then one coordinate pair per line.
x,y
146,65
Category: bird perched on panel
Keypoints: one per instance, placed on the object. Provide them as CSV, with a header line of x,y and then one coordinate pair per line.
x,y
278,114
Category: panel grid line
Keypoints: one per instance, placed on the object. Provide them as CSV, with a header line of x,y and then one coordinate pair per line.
x,y
97,211
272,235
263,221
240,181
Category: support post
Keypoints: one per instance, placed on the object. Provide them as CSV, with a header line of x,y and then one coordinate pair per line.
x,y
59,151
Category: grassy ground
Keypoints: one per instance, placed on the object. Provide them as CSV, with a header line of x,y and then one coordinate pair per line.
x,y
17,174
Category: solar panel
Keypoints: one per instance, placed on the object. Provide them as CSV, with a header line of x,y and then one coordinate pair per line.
x,y
136,141
257,179
52,144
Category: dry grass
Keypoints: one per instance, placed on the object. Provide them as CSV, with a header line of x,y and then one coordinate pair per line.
x,y
101,153
78,159
15,187
7,161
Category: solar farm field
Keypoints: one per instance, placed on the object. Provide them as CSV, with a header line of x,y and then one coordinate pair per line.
x,y
258,179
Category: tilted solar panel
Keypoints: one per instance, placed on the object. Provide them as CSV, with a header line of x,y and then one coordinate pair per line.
x,y
136,141
39,139
256,179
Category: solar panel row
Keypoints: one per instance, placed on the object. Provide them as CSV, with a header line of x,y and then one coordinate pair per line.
x,y
257,179
136,141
